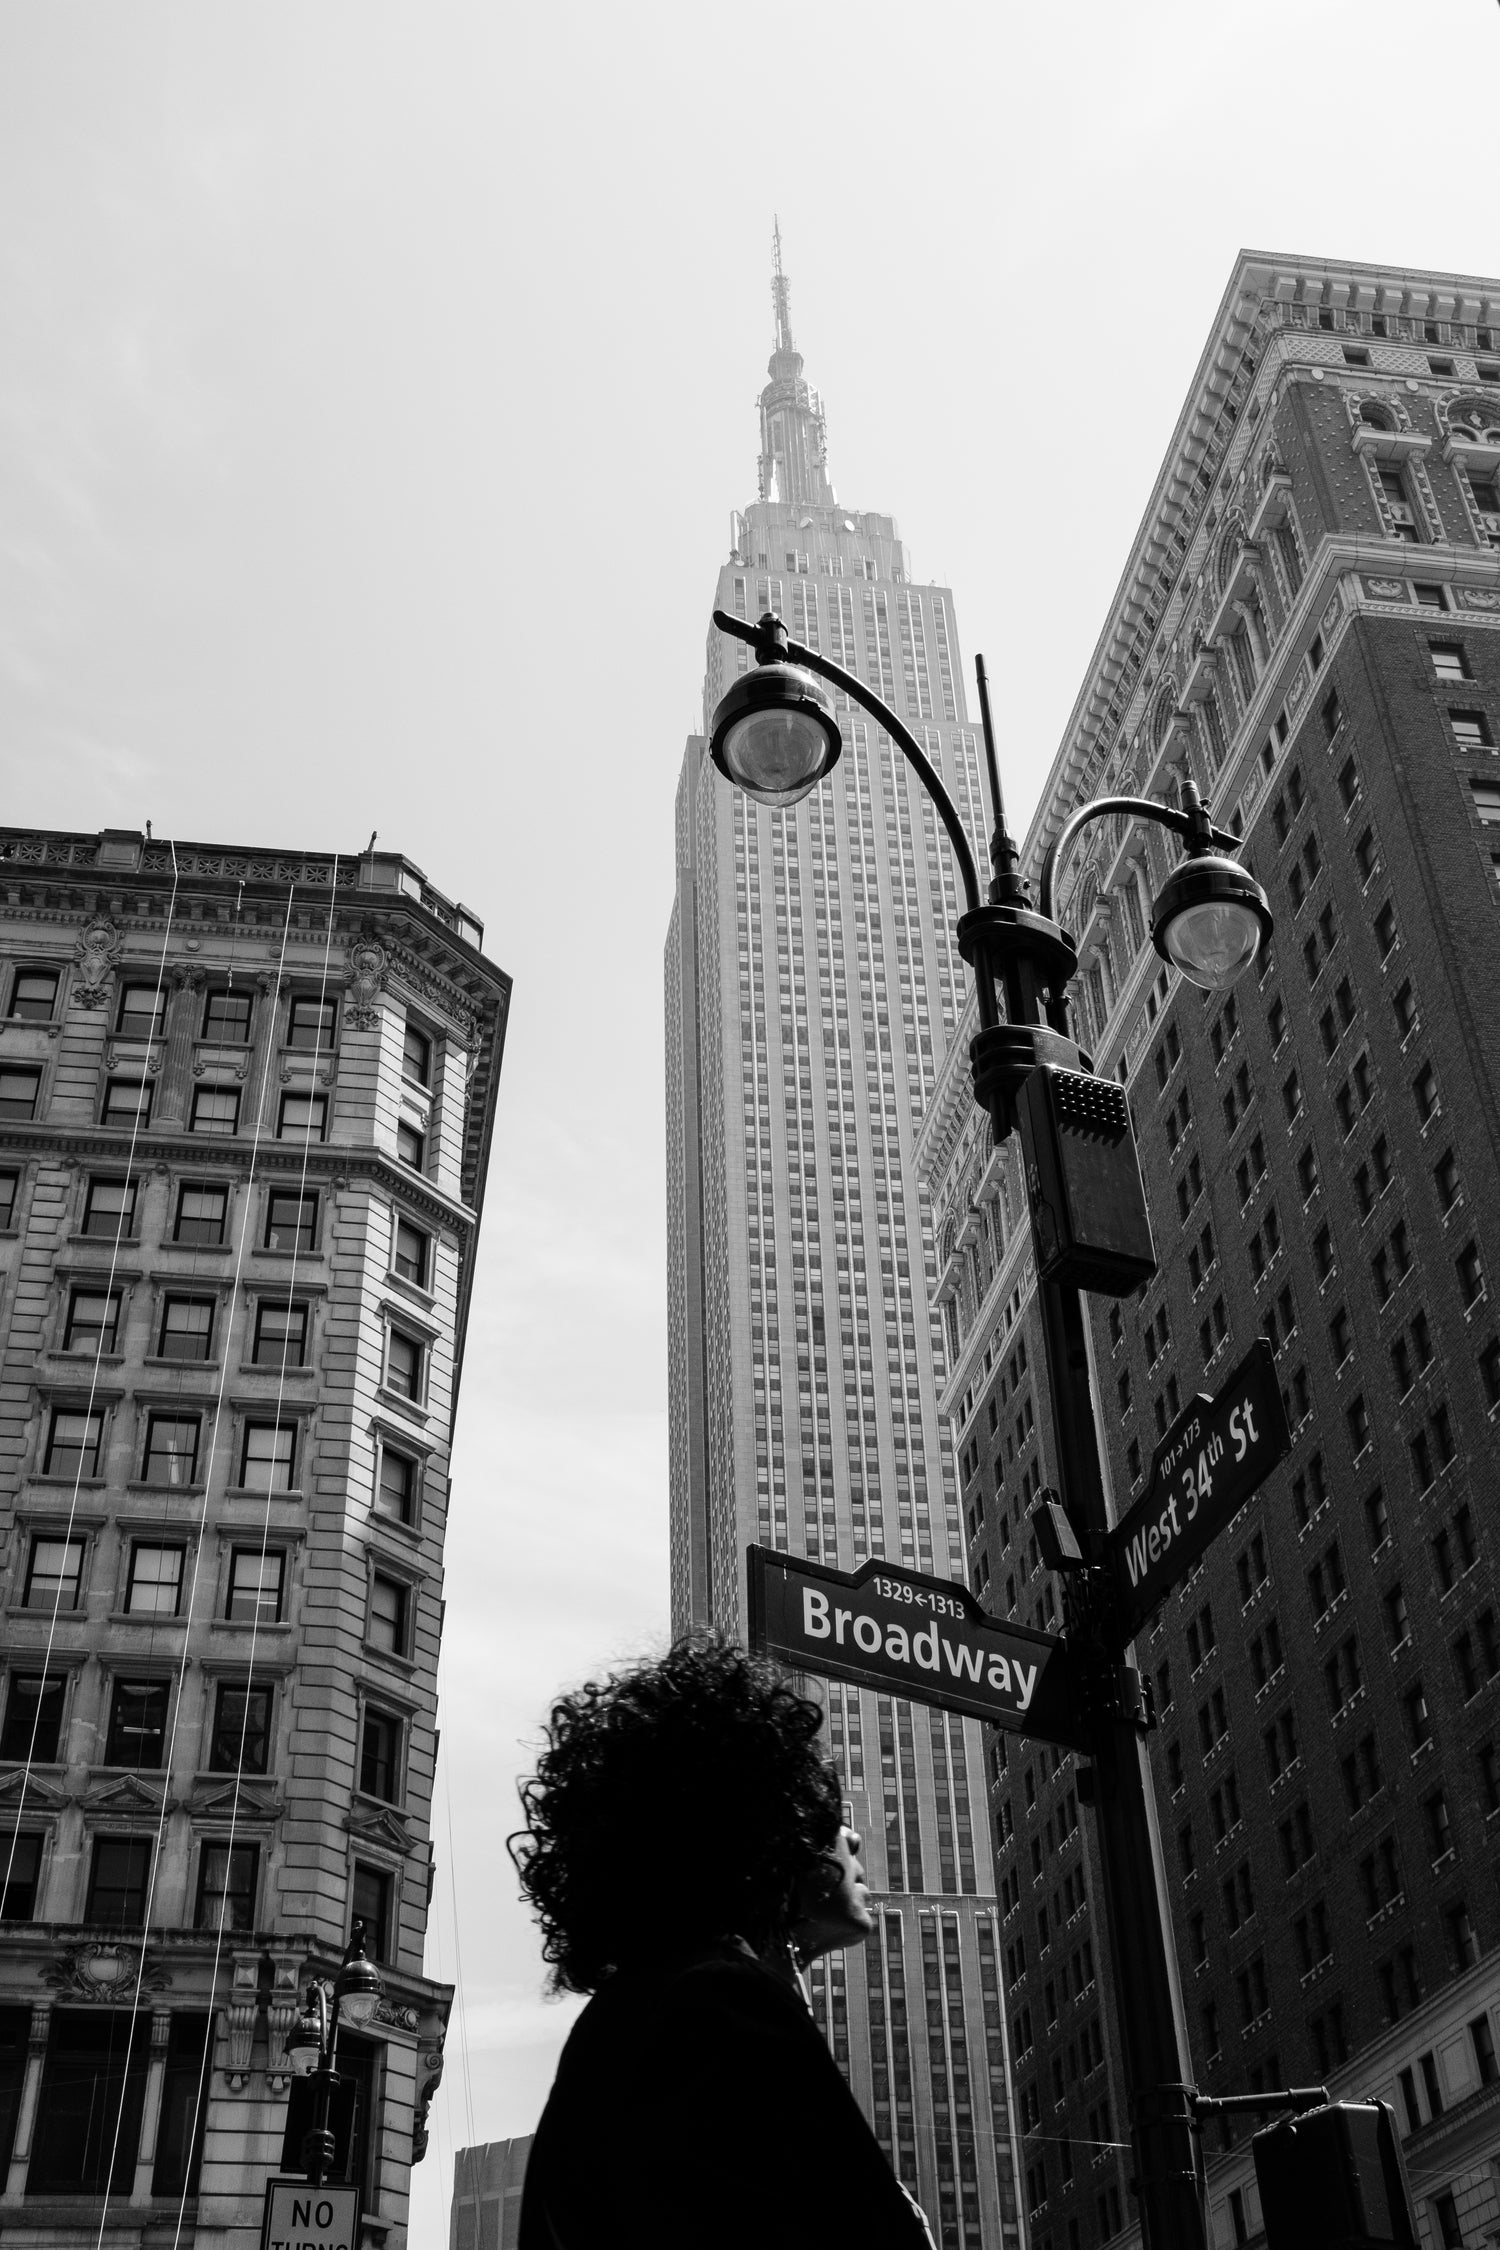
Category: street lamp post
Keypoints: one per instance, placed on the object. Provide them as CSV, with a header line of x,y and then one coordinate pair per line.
x,y
775,735
312,2042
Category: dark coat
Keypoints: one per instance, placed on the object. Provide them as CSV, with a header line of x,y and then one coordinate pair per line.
x,y
697,2107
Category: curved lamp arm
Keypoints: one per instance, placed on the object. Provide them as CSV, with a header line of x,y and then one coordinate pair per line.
x,y
1192,823
771,647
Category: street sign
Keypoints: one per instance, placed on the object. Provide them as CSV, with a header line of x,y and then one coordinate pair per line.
x,y
1215,1455
301,2217
903,1633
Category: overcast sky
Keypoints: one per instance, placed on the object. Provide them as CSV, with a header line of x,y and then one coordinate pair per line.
x,y
376,382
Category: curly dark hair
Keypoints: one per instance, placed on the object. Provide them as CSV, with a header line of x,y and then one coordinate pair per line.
x,y
678,1800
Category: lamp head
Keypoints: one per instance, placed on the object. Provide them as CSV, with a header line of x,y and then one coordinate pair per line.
x,y
304,2044
359,1987
774,733
1211,920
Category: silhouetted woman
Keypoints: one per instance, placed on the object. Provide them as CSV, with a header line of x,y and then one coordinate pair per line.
x,y
685,1854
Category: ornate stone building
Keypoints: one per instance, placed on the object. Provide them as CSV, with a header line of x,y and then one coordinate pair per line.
x,y
813,984
246,1102
1308,624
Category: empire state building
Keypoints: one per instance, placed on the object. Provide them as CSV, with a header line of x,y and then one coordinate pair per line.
x,y
812,988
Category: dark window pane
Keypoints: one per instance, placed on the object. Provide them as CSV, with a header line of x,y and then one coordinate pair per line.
x,y
371,1905
397,1487
269,1456
88,2120
127,1102
216,1109
280,1335
20,1872
93,1319
255,1583
73,1443
155,1588
137,1725
379,1749
388,1615
201,1215
242,1730
33,1717
142,1007
184,2100
54,1577
411,1146
291,1222
411,1253
118,1881
18,1092
171,1449
10,1183
404,1364
416,1055
303,1117
187,1328
312,1023
110,1209
33,996
226,1017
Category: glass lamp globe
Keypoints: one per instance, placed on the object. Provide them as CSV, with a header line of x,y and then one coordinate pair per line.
x,y
1212,920
304,2045
359,1990
775,735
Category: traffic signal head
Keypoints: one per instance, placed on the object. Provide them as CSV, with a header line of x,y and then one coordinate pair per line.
x,y
1089,1223
1334,2176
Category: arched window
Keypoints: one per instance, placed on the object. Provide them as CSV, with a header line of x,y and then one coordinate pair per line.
x,y
1375,416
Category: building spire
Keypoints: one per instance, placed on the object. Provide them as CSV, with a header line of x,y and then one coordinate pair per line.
x,y
793,434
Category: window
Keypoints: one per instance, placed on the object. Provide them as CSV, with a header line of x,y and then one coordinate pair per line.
x,y
226,1888
171,1449
19,1092
370,1906
33,995
241,1739
142,1007
312,1024
1486,795
396,1488
302,1117
380,1755
280,1335
187,1328
416,1055
1322,1249
127,1103
74,1443
226,1017
404,1357
93,1322
292,1222
33,1717
411,1145
202,1214
155,1584
1470,1275
54,1574
1449,661
256,1579
109,1209
1471,730
216,1109
88,2119
389,1604
118,1882
9,1187
1429,597
22,1868
137,1732
410,1260
1418,1717
268,1456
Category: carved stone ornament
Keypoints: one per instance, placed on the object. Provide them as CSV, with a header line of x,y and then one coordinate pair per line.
x,y
404,2019
1474,597
96,950
1386,589
103,1969
432,2068
239,2019
366,978
380,1824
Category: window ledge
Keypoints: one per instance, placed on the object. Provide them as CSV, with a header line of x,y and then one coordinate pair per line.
x,y
154,1485
403,1405
301,1256
259,1492
1472,453
407,1665
158,1359
1390,445
412,1289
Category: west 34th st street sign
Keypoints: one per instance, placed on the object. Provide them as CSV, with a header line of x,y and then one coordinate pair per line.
x,y
908,1634
1215,1455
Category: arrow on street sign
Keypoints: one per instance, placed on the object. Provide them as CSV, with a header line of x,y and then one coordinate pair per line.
x,y
1215,1455
899,1631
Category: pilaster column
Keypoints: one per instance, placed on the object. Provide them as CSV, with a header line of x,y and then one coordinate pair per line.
x,y
156,2070
31,2088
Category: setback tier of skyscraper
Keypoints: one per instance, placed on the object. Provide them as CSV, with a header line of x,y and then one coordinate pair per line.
x,y
246,1101
1308,625
812,988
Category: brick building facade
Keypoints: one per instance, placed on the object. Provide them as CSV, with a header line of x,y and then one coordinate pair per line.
x,y
245,1108
1309,626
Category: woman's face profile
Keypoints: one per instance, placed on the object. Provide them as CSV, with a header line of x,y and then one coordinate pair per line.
x,y
831,1905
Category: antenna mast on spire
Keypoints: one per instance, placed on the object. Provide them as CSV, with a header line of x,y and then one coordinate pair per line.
x,y
780,293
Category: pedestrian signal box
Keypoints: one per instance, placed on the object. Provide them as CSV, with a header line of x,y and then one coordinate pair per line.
x,y
1335,2177
1089,1223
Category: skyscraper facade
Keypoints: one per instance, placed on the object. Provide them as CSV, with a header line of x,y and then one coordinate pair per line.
x,y
246,1101
1308,626
812,986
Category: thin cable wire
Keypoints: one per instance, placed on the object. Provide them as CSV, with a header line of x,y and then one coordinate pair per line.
x,y
265,1529
114,1260
197,1572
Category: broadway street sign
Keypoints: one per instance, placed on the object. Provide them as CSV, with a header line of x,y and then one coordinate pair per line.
x,y
896,1630
1215,1455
